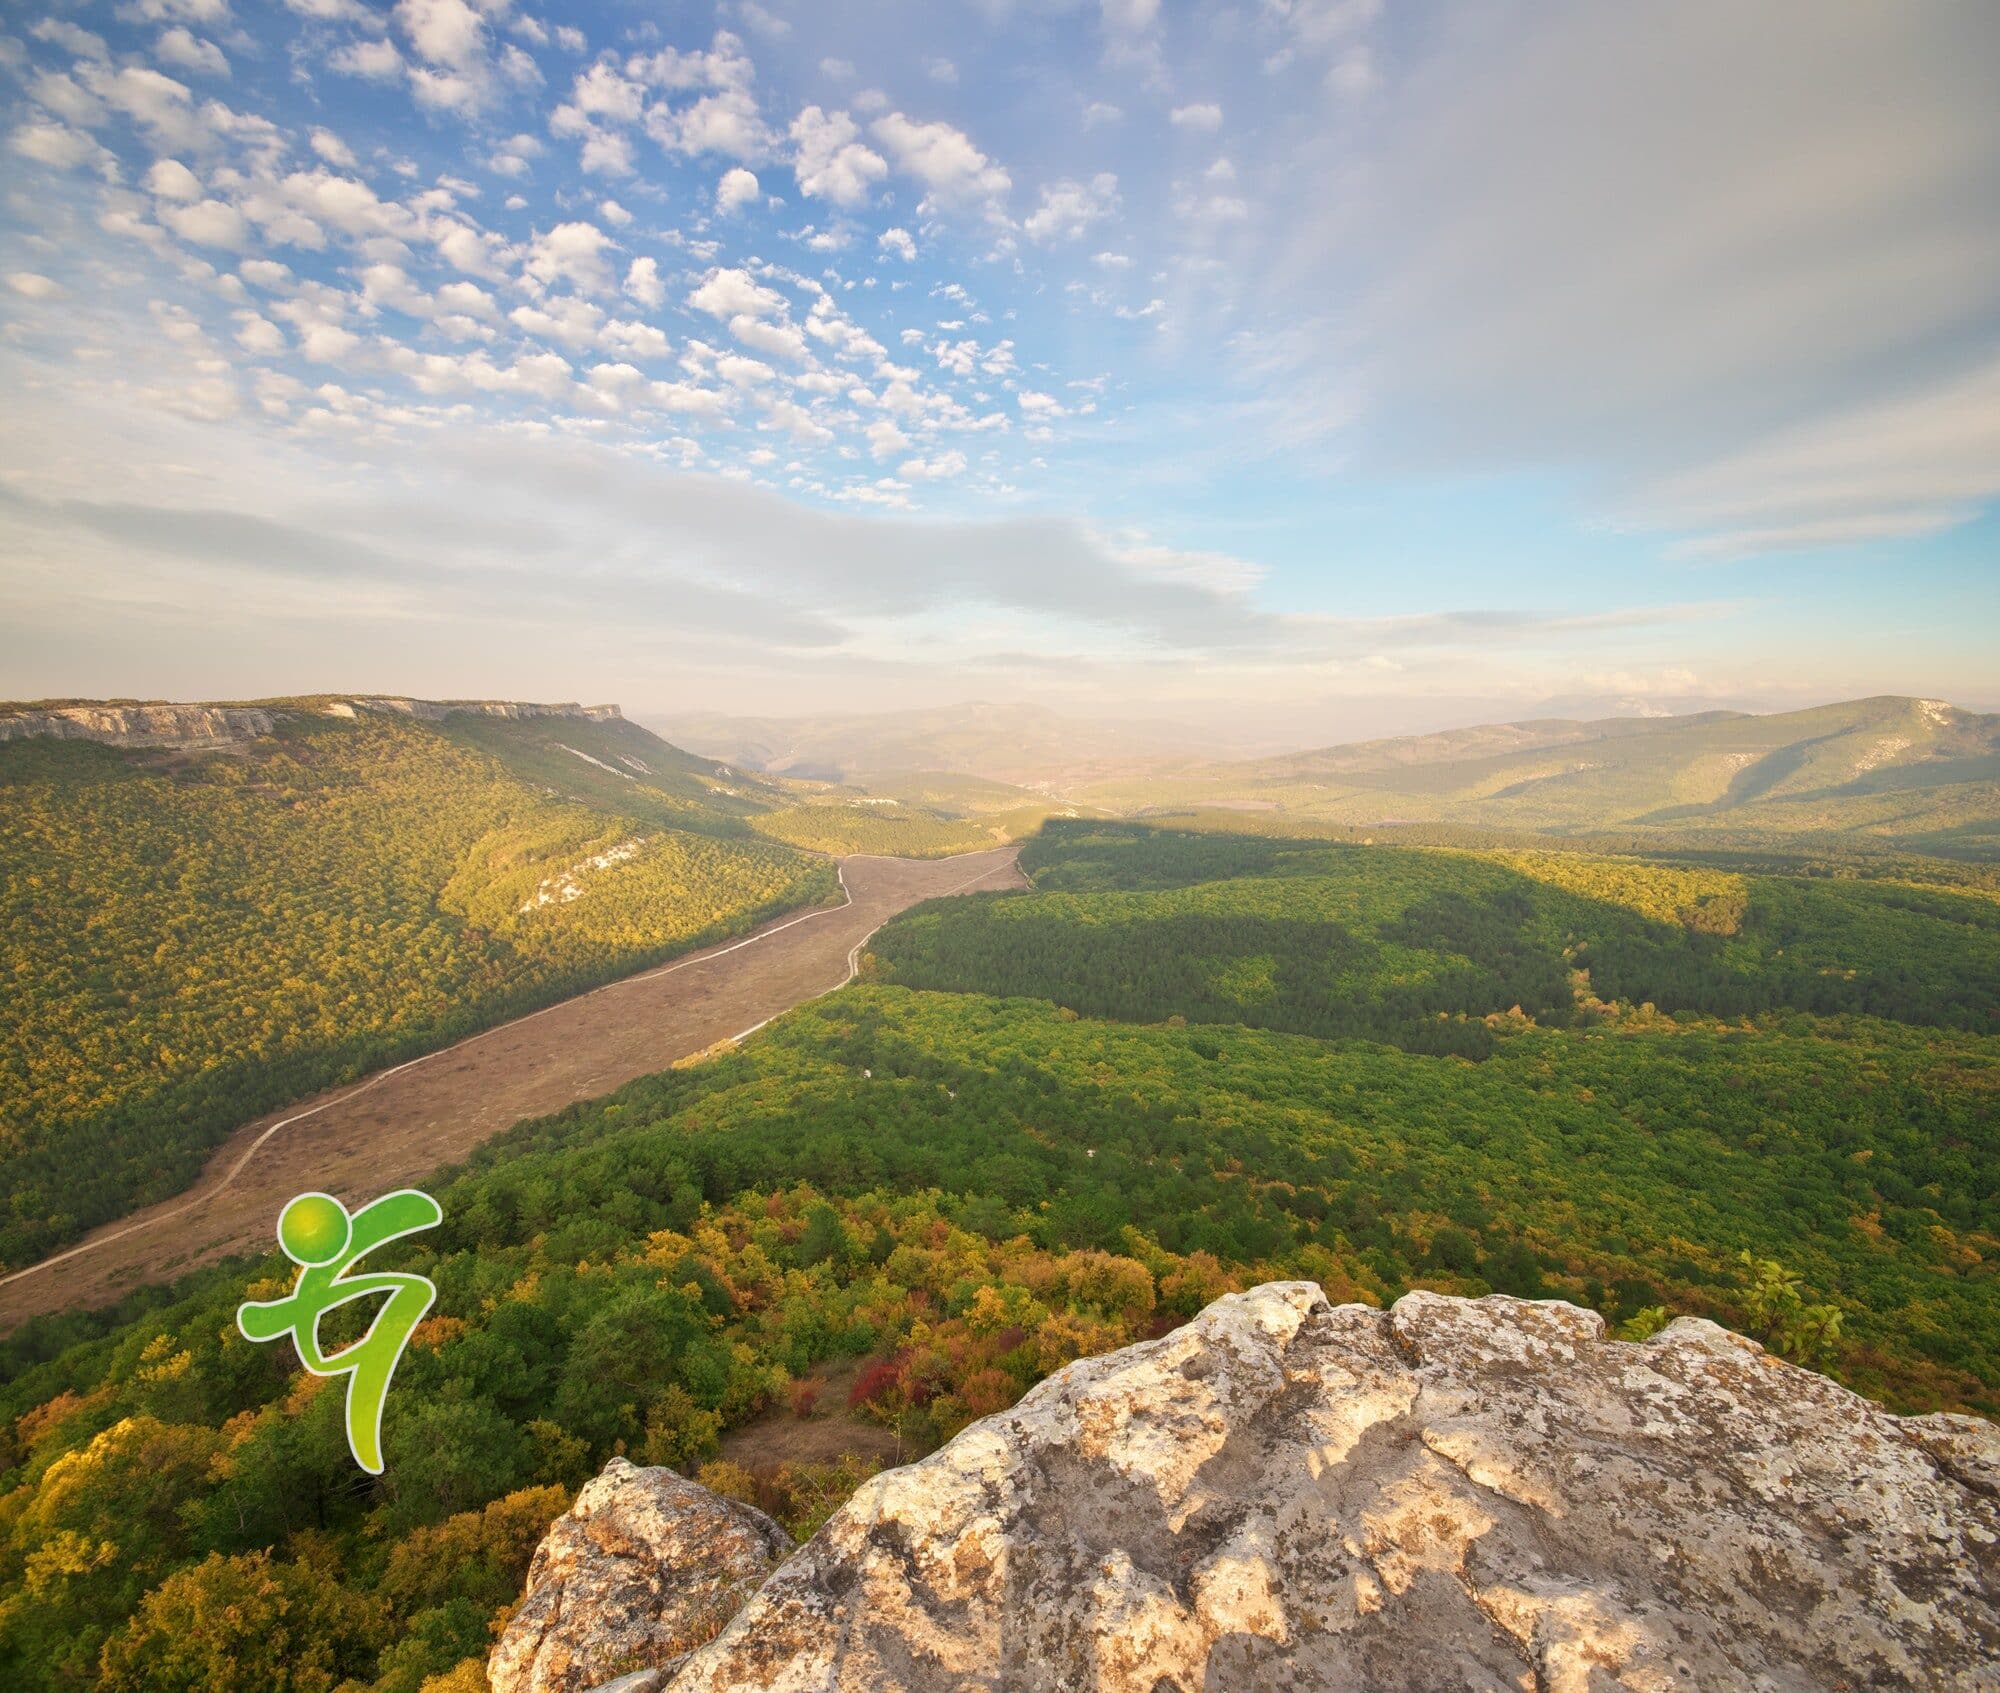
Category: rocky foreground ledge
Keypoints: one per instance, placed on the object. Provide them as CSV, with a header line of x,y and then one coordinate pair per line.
x,y
1288,1495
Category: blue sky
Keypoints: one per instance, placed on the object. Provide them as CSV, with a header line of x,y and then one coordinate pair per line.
x,y
1308,367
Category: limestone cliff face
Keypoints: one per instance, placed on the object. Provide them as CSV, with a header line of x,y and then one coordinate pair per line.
x,y
435,711
140,725
197,726
1452,1494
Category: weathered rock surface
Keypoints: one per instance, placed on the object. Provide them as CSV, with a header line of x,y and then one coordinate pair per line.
x,y
140,725
645,1566
436,711
1453,1494
131,725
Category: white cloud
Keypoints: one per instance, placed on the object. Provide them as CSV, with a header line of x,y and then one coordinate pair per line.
x,y
32,285
606,153
829,159
897,243
208,223
1909,465
601,92
1069,208
65,97
1202,115
885,439
377,61
738,187
54,144
331,148
936,468
943,158
574,252
511,158
258,334
781,340
60,32
730,292
177,46
172,180
443,32
642,282
336,11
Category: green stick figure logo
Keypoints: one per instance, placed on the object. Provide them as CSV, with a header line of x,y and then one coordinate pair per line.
x,y
320,1237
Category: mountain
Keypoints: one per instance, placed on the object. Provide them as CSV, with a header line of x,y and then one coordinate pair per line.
x,y
209,910
1024,745
1919,773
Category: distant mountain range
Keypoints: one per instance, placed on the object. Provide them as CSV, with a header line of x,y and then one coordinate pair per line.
x,y
1027,745
1919,772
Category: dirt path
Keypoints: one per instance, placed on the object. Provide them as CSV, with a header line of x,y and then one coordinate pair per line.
x,y
398,1125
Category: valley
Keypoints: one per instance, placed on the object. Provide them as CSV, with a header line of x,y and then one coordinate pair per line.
x,y
400,1124
1095,1062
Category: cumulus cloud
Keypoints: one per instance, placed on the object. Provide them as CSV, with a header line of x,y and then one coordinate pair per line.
x,y
577,253
897,244
642,282
172,180
177,46
209,223
737,188
1202,115
944,159
829,159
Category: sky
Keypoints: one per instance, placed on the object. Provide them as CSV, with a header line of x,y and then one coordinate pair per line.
x,y
1296,368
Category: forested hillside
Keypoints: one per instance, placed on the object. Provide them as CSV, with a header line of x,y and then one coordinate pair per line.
x,y
1920,773
190,938
844,826
896,1210
1428,948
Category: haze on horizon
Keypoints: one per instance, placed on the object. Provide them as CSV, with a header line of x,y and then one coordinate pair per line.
x,y
1305,365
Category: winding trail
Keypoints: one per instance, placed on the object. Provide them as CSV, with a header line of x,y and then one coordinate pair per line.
x,y
397,1125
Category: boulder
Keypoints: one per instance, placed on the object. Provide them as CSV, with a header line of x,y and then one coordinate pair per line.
x,y
1479,1494
644,1567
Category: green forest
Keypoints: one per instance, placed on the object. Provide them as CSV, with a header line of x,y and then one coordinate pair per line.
x,y
896,830
189,940
1427,948
1044,1125
933,1200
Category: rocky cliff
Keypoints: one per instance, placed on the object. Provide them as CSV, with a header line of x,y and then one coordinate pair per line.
x,y
1287,1495
196,726
140,725
435,711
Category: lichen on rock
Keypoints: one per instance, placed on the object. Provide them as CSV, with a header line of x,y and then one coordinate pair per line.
x,y
1451,1494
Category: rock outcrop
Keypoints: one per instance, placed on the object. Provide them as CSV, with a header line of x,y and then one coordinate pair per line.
x,y
140,725
436,711
198,726
644,1567
1452,1494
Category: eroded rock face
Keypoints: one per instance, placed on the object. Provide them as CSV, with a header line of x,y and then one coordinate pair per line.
x,y
645,1566
140,725
1453,1494
436,711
